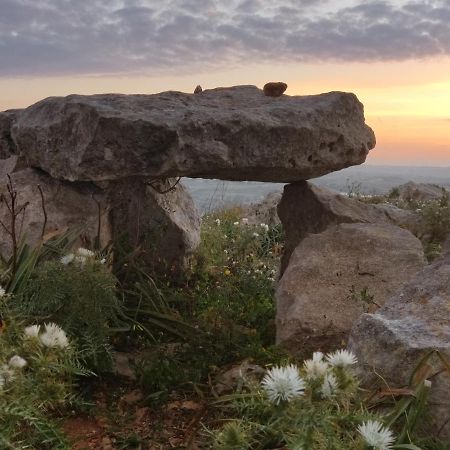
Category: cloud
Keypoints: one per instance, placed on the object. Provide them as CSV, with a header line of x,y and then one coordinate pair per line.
x,y
54,37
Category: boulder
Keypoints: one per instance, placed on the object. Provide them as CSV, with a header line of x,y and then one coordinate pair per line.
x,y
264,211
80,206
161,222
234,133
335,276
163,227
8,166
418,192
306,208
413,322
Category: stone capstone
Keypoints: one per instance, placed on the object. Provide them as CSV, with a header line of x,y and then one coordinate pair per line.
x,y
335,276
233,133
413,322
306,208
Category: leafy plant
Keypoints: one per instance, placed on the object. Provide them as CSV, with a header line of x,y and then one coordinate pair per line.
x,y
38,367
319,406
79,294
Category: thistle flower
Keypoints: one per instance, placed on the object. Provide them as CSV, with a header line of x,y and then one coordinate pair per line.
x,y
283,384
329,386
217,222
67,259
32,332
341,358
315,367
54,336
2,292
17,362
265,226
376,435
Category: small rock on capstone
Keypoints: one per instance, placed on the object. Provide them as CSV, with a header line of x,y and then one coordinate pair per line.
x,y
274,89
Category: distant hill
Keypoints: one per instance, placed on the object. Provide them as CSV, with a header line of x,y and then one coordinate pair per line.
x,y
367,179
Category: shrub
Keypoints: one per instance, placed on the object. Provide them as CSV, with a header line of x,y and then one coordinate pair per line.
x,y
79,294
38,366
317,406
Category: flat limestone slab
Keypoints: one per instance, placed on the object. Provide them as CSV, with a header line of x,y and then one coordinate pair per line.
x,y
234,133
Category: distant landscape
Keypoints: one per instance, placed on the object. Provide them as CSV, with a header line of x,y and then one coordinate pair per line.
x,y
211,195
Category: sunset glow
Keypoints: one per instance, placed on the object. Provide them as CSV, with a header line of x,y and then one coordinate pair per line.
x,y
395,56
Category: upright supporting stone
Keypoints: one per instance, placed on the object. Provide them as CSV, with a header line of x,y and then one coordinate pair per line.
x,y
160,223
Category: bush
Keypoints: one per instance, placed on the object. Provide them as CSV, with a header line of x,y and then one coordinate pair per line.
x,y
315,407
79,294
38,366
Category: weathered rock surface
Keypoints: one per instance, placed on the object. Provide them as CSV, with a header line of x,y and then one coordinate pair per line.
x,y
264,211
8,166
67,206
233,133
413,322
7,146
419,192
333,277
164,227
306,208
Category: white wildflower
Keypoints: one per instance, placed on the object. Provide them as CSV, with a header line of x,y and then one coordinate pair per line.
x,y
67,259
17,362
341,358
54,336
244,221
85,252
329,386
315,367
2,292
226,252
376,435
32,332
217,222
265,226
236,223
255,235
103,261
283,384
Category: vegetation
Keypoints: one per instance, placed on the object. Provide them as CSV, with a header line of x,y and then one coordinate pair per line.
x,y
191,341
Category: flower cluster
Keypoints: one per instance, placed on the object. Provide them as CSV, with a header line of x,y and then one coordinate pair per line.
x,y
324,373
52,336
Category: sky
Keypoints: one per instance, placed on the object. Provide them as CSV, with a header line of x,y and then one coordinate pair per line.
x,y
395,55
